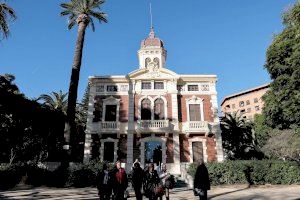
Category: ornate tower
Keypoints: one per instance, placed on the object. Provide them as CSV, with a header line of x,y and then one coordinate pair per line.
x,y
152,53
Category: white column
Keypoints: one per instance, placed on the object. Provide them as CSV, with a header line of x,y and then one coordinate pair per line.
x,y
87,148
176,149
129,163
174,110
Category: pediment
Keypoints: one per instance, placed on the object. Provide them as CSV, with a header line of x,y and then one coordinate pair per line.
x,y
158,73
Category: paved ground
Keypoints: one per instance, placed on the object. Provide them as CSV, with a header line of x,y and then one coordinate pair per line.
x,y
239,192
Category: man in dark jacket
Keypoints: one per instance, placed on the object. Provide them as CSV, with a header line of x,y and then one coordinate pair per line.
x,y
151,181
104,184
201,181
137,177
120,181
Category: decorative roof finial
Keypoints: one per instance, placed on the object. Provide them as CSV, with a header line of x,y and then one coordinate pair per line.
x,y
151,34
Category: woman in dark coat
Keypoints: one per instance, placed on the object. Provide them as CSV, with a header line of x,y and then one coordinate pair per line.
x,y
104,183
201,181
151,181
137,177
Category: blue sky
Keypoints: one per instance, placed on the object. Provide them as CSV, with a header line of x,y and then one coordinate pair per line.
x,y
224,37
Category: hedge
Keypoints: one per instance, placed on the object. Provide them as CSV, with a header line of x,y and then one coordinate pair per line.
x,y
74,175
253,172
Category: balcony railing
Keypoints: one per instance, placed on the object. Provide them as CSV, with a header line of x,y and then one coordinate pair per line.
x,y
152,124
109,125
196,126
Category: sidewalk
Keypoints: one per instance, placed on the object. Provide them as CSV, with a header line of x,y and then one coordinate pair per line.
x,y
240,192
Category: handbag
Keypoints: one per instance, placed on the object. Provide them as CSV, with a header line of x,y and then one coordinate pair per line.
x,y
198,192
159,191
126,194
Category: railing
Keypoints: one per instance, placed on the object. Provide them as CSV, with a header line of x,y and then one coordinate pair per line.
x,y
153,124
196,126
109,125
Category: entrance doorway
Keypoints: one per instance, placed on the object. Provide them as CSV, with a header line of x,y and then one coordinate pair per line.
x,y
153,152
109,151
197,148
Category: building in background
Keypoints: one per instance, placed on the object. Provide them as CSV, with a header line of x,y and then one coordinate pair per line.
x,y
248,102
153,114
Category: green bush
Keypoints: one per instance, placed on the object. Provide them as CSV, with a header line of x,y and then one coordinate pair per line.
x,y
257,172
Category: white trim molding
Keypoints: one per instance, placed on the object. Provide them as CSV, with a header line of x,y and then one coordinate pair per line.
x,y
111,101
152,100
197,139
194,100
116,148
149,139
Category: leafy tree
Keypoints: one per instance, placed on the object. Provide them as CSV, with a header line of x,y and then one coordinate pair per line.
x,y
6,14
25,131
55,101
238,138
261,130
80,12
283,145
282,101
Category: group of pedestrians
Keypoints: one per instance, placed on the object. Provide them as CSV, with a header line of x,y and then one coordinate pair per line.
x,y
149,182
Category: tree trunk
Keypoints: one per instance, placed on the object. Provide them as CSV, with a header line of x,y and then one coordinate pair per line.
x,y
72,97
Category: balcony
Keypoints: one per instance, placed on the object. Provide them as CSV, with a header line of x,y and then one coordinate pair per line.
x,y
153,125
109,126
195,126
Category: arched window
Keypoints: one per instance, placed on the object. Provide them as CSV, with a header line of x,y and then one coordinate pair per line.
x,y
159,109
147,61
146,109
156,61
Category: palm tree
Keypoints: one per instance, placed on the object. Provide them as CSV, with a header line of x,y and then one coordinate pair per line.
x,y
55,101
82,13
6,14
237,135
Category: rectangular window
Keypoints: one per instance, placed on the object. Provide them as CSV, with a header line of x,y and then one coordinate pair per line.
x,y
242,104
158,85
146,85
111,113
180,87
194,110
205,87
243,111
193,88
257,108
255,100
247,102
112,88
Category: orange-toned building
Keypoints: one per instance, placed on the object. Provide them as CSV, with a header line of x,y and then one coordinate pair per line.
x,y
248,102
153,114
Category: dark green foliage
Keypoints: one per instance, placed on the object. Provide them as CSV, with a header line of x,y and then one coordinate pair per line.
x,y
261,130
238,138
7,14
282,101
257,172
28,130
75,175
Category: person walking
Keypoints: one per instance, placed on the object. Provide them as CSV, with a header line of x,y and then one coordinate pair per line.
x,y
167,181
119,182
104,184
201,181
151,184
137,178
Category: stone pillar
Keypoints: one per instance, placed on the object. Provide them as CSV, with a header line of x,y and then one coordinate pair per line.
x,y
129,151
176,149
89,125
216,130
87,148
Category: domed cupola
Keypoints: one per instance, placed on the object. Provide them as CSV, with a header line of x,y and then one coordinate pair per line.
x,y
152,41
152,52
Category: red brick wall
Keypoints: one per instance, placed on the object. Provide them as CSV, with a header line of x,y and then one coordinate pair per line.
x,y
170,149
184,147
182,111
